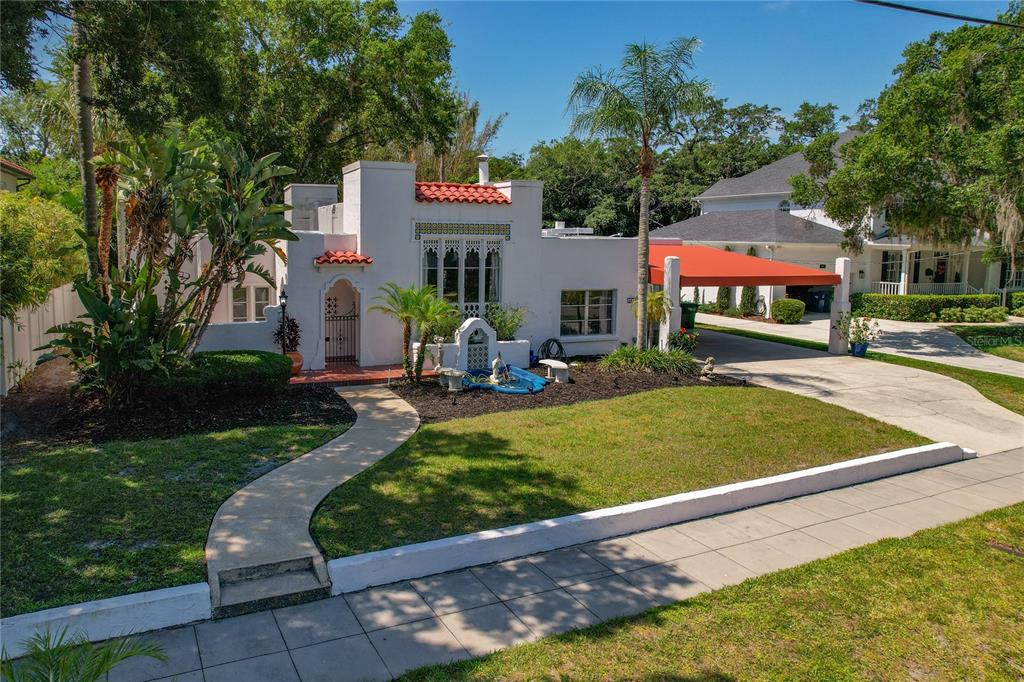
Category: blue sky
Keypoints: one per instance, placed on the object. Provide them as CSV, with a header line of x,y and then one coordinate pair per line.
x,y
521,57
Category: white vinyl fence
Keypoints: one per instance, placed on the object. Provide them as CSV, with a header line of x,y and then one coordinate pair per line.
x,y
21,338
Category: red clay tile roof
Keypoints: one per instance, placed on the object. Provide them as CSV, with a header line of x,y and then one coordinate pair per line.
x,y
16,169
459,193
342,258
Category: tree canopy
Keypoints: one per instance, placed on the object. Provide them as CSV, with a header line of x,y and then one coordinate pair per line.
x,y
944,160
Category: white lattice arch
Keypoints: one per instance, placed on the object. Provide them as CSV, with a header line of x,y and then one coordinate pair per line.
x,y
475,353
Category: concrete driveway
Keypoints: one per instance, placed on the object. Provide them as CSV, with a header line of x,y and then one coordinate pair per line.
x,y
920,340
930,404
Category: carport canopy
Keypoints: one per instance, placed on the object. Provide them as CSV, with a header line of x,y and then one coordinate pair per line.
x,y
706,266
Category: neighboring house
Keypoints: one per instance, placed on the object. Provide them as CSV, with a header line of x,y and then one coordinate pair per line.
x,y
754,210
13,177
479,244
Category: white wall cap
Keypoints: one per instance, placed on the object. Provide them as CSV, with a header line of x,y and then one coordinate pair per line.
x,y
378,165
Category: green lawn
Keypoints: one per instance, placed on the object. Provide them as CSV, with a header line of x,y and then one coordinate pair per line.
x,y
1001,389
500,469
84,521
943,604
1006,342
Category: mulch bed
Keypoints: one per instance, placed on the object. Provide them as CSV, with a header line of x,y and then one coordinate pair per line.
x,y
589,382
44,410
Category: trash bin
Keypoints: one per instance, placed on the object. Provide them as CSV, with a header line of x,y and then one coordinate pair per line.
x,y
688,319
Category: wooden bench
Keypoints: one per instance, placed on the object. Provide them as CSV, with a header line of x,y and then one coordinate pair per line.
x,y
557,370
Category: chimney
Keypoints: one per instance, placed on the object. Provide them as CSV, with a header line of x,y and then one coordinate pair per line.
x,y
484,167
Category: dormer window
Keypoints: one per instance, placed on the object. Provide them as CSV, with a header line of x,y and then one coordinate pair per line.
x,y
784,206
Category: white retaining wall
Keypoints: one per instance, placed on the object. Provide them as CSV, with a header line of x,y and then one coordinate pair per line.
x,y
438,556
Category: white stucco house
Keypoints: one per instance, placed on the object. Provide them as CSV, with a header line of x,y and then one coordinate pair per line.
x,y
754,210
477,243
13,176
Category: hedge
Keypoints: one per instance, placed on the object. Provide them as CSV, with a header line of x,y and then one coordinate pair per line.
x,y
1016,300
227,373
788,310
916,307
973,314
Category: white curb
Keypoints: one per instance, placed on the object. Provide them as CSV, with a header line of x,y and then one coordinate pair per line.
x,y
156,609
438,556
113,617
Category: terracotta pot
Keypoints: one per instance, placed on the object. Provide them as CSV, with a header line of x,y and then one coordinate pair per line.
x,y
296,358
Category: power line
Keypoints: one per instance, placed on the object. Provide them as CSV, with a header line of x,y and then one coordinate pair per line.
x,y
939,13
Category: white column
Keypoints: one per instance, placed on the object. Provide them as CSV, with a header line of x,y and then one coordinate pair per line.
x,y
965,271
840,304
904,271
992,277
671,321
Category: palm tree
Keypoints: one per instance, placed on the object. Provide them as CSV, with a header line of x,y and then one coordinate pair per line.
x,y
433,315
402,304
639,101
63,658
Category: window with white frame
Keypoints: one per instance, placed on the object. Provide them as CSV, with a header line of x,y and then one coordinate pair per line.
x,y
891,262
587,312
240,304
261,299
466,272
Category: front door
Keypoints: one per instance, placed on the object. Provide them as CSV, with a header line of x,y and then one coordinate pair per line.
x,y
342,331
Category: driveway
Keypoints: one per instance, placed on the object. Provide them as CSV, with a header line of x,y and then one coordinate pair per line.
x,y
927,403
919,340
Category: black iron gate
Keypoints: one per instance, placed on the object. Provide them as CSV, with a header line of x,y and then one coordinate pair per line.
x,y
342,332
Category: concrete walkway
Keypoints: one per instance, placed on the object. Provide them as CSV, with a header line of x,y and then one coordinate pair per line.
x,y
918,340
383,632
259,545
927,403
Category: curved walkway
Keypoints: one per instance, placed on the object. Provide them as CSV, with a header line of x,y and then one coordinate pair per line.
x,y
927,403
917,340
263,529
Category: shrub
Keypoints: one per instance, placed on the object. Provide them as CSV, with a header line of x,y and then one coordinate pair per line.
x,y
1019,312
788,310
506,320
288,336
973,315
226,373
916,307
1016,301
39,250
683,340
733,312
711,308
724,300
630,358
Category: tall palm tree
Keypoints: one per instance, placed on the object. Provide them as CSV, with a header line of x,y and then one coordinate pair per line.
x,y
434,314
402,304
639,101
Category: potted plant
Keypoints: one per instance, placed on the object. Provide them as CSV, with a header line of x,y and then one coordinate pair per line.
x,y
858,332
287,336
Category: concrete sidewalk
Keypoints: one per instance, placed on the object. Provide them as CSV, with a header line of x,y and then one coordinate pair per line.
x,y
259,546
918,340
383,632
927,403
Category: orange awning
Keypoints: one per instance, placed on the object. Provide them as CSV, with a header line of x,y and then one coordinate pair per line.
x,y
710,267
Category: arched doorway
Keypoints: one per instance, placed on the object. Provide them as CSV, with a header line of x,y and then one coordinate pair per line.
x,y
341,324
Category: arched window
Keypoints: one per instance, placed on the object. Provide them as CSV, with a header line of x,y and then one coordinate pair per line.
x,y
450,281
493,276
430,267
784,206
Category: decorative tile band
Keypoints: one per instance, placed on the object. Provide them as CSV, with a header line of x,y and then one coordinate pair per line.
x,y
465,230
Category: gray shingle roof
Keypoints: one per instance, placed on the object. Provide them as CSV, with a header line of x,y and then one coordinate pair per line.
x,y
770,179
766,225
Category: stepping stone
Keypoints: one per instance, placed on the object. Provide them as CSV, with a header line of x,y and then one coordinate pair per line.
x,y
611,597
425,642
271,668
316,622
487,628
551,613
232,639
511,579
180,647
384,607
351,658
451,592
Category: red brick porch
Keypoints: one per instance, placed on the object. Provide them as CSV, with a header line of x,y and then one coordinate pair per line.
x,y
353,375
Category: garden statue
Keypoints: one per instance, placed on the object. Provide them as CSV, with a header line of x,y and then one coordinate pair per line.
x,y
707,370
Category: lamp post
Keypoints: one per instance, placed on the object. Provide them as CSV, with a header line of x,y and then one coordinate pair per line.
x,y
284,321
